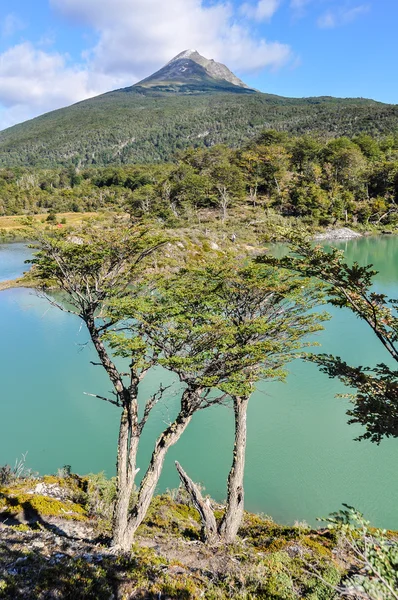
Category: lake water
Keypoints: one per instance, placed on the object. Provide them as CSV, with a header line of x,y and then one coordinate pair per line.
x,y
302,461
12,257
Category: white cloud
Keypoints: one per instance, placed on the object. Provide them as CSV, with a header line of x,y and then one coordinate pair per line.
x,y
134,38
138,36
327,21
352,13
33,81
262,11
10,25
342,16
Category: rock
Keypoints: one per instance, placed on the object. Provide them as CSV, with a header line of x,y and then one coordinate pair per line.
x,y
294,550
21,559
88,557
57,558
74,239
214,246
176,569
52,490
342,233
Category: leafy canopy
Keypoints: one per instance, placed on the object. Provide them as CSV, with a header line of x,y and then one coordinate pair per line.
x,y
221,326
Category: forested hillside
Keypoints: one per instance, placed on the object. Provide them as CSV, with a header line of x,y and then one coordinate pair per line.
x,y
321,182
135,125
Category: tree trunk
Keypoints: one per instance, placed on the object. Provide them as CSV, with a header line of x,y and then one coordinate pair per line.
x,y
128,437
120,511
209,523
189,403
126,472
235,499
224,201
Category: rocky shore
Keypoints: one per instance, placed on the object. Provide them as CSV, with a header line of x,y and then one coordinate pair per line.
x,y
55,544
341,233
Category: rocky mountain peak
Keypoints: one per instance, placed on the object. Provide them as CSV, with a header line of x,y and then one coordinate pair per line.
x,y
184,54
189,68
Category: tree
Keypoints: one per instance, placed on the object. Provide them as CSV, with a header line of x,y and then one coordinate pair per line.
x,y
305,150
376,401
347,161
91,269
368,145
373,573
221,328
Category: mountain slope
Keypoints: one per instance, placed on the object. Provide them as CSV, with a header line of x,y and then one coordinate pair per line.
x,y
150,121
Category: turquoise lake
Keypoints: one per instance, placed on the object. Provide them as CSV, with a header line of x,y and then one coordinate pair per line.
x,y
302,462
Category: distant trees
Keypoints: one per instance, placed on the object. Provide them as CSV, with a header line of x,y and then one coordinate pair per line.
x,y
354,181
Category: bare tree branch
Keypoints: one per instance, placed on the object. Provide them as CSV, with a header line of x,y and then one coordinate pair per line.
x,y
114,402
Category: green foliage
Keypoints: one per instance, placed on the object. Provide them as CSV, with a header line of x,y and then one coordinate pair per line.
x,y
101,494
220,326
320,181
94,264
52,217
374,573
135,125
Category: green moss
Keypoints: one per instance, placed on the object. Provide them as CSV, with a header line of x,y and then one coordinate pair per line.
x,y
187,512
146,556
13,503
317,546
179,586
75,580
219,514
22,528
166,515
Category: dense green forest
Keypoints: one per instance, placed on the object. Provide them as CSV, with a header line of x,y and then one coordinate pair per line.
x,y
322,182
134,125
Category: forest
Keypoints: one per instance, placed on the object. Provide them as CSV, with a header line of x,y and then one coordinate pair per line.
x,y
135,126
319,181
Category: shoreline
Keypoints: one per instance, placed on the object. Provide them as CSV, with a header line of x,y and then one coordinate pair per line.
x,y
339,234
19,282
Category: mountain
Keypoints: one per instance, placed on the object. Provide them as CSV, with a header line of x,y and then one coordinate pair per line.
x,y
191,101
190,70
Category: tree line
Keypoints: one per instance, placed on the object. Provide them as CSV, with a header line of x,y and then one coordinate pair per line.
x,y
321,182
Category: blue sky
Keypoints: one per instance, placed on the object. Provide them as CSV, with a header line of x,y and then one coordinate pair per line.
x,y
56,52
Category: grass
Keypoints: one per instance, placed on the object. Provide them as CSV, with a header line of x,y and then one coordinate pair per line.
x,y
167,560
268,561
18,222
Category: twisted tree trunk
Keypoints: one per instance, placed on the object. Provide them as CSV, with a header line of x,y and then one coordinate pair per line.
x,y
235,499
129,434
202,505
232,519
189,403
125,476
